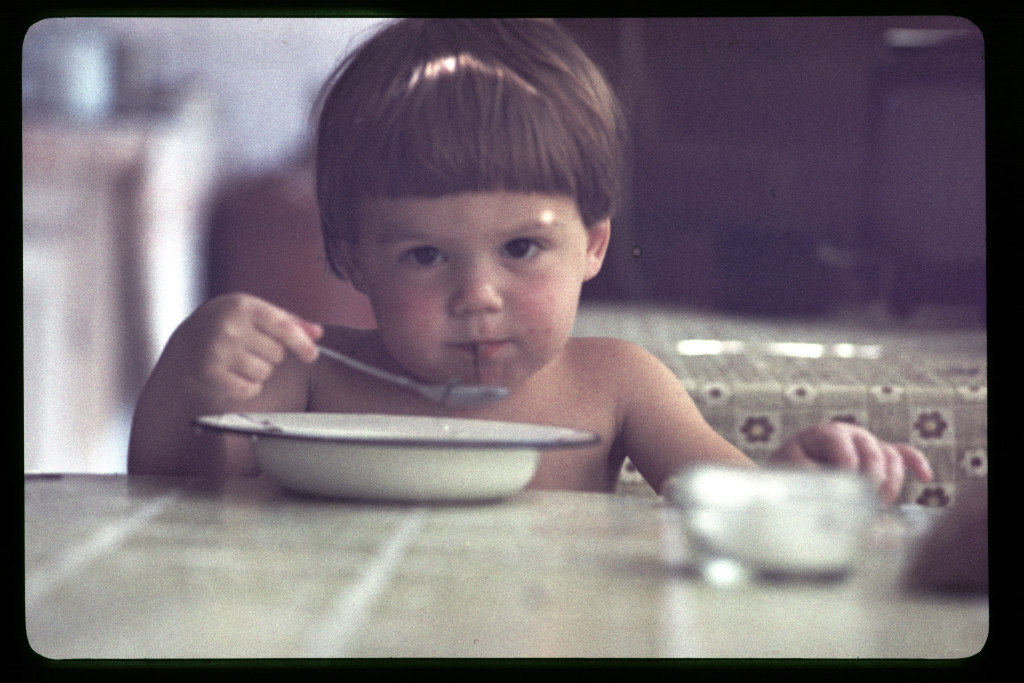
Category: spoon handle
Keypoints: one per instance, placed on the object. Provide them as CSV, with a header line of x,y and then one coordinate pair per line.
x,y
368,369
452,393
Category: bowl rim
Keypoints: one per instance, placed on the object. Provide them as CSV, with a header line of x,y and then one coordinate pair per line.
x,y
770,486
263,425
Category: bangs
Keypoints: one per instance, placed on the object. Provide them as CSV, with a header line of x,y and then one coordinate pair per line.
x,y
462,126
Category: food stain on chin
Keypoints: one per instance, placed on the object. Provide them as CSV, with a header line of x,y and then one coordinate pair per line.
x,y
474,349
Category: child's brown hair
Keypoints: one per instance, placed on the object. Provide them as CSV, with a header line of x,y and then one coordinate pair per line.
x,y
430,107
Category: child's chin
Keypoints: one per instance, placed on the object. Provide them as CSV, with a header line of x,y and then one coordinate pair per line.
x,y
493,377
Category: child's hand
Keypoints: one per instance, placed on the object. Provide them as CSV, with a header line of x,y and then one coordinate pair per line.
x,y
233,343
849,447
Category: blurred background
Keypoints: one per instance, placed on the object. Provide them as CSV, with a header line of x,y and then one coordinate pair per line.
x,y
784,167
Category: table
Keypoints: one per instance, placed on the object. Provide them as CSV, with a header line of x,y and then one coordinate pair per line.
x,y
150,567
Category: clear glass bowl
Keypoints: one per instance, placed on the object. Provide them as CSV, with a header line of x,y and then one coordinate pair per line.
x,y
741,524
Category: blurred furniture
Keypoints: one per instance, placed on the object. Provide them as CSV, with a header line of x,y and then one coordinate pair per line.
x,y
926,186
112,217
265,239
953,557
137,567
793,165
759,380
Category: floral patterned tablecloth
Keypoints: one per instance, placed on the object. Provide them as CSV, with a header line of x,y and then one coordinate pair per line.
x,y
759,381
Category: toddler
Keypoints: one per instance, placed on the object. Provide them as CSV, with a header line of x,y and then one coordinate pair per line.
x,y
466,172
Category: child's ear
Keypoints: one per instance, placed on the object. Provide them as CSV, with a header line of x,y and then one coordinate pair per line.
x,y
346,255
598,236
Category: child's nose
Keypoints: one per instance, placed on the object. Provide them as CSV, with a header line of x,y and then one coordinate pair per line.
x,y
477,291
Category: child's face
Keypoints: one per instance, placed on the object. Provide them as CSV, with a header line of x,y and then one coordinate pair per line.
x,y
479,286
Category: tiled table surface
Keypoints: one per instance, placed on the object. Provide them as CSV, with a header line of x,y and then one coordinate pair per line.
x,y
128,567
759,381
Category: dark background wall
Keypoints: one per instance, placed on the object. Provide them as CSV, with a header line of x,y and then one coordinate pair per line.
x,y
792,165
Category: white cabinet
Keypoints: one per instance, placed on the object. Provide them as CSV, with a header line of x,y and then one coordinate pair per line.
x,y
112,235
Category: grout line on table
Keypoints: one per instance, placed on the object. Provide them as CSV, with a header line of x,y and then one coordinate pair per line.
x,y
679,628
346,617
100,543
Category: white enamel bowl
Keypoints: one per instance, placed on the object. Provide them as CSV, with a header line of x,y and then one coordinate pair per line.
x,y
395,457
774,522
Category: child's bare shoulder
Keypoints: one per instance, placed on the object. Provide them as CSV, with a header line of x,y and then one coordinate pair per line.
x,y
634,376
610,356
607,345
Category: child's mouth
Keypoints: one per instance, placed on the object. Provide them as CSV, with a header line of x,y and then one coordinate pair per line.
x,y
482,353
485,350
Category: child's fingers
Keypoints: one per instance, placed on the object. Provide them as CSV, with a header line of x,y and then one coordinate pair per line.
x,y
254,367
296,335
898,459
837,447
871,455
239,387
894,476
314,330
237,377
841,446
853,448
916,462
829,443
800,451
237,340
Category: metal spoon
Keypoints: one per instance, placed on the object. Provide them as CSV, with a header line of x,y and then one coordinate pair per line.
x,y
453,393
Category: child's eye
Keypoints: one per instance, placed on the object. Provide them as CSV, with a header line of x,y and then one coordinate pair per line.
x,y
424,256
521,248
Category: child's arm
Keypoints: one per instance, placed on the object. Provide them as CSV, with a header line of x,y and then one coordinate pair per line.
x,y
235,353
661,428
662,431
